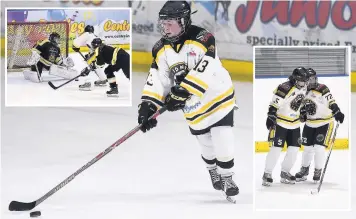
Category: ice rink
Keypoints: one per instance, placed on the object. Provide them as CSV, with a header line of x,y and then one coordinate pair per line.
x,y
336,186
159,174
22,92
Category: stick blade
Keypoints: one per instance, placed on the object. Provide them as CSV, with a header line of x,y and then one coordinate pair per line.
x,y
21,206
52,85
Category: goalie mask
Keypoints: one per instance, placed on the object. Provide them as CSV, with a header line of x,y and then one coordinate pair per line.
x,y
54,38
299,77
174,20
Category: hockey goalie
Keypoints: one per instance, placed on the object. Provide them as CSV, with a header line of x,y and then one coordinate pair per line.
x,y
46,55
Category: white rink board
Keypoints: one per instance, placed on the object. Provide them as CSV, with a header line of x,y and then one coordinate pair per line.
x,y
263,92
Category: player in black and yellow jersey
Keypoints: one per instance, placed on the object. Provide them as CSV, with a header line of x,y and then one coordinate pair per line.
x,y
115,58
49,52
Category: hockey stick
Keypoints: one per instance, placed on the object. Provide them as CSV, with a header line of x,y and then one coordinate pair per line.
x,y
26,206
326,163
56,87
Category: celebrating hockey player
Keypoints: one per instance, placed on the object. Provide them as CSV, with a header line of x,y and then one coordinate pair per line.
x,y
284,125
318,112
46,54
186,74
85,39
116,58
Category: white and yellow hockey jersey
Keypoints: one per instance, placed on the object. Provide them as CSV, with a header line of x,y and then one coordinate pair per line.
x,y
288,99
207,80
84,40
318,102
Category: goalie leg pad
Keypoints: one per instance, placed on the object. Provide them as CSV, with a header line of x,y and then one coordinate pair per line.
x,y
32,76
63,72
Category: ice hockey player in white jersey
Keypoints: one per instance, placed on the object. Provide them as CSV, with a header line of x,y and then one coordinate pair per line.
x,y
319,111
284,125
186,74
46,55
85,39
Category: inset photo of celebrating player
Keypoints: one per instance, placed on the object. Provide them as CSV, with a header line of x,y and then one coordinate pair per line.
x,y
301,128
68,57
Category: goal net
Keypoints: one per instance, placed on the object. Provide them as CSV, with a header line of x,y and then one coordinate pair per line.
x,y
21,37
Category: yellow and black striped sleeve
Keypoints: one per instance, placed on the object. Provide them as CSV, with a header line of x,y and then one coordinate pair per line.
x,y
93,56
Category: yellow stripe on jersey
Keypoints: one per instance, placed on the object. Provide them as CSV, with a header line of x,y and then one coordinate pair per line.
x,y
36,50
328,134
222,106
290,119
114,55
93,56
209,104
196,81
45,61
192,42
194,85
320,120
153,95
159,53
288,122
41,42
192,90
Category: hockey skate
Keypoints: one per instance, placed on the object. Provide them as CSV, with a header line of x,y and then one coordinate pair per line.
x,y
302,174
113,92
215,178
317,175
85,87
100,83
267,179
229,187
287,178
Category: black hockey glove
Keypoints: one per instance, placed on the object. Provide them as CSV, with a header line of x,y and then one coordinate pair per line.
x,y
303,114
338,115
75,49
145,110
85,72
176,99
271,117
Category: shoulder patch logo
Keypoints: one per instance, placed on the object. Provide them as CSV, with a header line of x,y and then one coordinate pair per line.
x,y
204,35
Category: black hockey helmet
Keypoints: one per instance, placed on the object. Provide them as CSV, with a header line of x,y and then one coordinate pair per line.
x,y
313,79
54,38
299,77
175,10
89,29
96,43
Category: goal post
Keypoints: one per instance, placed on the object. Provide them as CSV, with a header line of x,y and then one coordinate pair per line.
x,y
21,37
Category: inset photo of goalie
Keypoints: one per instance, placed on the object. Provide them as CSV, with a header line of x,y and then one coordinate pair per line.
x,y
302,121
68,57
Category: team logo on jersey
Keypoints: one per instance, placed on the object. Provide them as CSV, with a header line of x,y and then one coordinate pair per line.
x,y
320,138
310,107
296,102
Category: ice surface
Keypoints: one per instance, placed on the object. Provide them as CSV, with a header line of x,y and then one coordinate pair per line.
x,y
159,174
21,92
336,186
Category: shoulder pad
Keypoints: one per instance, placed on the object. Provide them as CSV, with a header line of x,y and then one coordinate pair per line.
x,y
283,89
158,46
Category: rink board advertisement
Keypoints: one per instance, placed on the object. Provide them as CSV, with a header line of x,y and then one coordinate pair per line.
x,y
111,25
238,26
263,92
